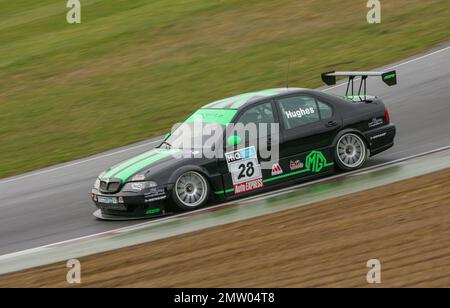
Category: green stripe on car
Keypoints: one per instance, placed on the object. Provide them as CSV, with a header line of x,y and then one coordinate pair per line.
x,y
221,192
131,170
121,167
127,169
128,163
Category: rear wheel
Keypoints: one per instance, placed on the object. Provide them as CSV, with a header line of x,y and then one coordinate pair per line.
x,y
351,152
191,191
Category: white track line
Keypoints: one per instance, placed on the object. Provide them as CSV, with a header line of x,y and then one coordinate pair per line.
x,y
241,201
146,144
360,171
80,162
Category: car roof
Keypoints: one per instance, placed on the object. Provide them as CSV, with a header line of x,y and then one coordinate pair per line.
x,y
242,100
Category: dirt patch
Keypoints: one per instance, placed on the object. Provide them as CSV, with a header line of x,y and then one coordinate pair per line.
x,y
404,225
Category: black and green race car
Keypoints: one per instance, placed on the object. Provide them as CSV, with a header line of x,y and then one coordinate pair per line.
x,y
317,133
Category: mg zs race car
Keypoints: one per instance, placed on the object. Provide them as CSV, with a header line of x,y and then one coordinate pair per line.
x,y
314,134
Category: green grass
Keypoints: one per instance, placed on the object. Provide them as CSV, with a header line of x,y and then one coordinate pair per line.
x,y
134,68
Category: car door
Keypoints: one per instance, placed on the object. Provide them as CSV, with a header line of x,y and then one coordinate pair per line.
x,y
246,164
308,128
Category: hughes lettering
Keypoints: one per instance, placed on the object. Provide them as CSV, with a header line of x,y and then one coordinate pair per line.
x,y
299,113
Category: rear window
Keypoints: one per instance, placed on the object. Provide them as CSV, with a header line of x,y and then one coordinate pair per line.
x,y
326,112
298,111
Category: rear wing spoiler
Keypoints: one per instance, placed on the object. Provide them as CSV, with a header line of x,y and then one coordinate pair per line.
x,y
389,78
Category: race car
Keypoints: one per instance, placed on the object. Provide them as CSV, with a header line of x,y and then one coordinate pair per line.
x,y
314,134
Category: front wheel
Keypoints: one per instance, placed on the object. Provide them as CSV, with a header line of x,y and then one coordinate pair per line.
x,y
351,152
191,191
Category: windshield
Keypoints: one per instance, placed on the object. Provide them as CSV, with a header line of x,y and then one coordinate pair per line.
x,y
203,129
213,116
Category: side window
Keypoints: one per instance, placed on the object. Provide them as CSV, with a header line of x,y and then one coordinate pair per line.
x,y
326,112
299,110
258,115
262,113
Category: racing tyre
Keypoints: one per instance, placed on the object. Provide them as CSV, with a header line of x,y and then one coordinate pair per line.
x,y
351,152
191,191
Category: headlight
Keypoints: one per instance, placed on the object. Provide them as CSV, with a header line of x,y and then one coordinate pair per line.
x,y
138,178
97,181
139,186
97,184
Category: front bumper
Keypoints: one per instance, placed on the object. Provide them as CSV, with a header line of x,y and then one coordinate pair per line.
x,y
127,205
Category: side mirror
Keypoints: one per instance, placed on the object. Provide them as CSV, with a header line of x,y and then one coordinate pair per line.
x,y
234,140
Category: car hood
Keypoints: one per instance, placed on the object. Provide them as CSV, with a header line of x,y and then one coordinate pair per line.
x,y
127,169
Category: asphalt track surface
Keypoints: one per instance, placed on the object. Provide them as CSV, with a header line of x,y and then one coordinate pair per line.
x,y
53,205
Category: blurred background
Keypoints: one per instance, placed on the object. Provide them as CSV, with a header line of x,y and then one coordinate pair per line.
x,y
131,69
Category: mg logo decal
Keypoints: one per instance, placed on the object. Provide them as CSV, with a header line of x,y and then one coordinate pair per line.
x,y
316,161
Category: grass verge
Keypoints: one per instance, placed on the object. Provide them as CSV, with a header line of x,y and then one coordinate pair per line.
x,y
133,68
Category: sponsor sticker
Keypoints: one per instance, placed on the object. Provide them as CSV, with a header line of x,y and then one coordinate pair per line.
x,y
240,155
299,113
316,162
378,136
248,186
276,169
153,211
245,170
390,76
107,200
110,203
148,200
296,164
375,122
155,194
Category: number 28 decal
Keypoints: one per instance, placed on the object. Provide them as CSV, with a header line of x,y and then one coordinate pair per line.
x,y
246,170
243,165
